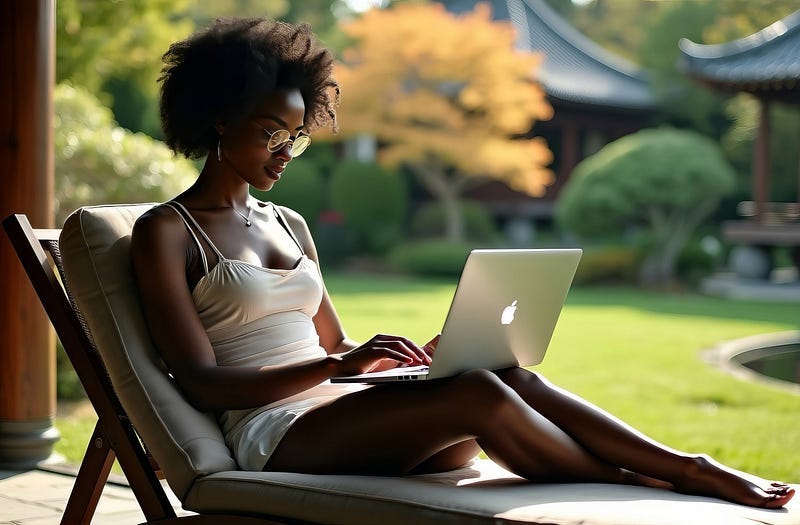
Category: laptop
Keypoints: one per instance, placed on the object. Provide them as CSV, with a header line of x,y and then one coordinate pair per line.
x,y
503,314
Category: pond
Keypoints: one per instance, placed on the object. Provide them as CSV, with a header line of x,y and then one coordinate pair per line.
x,y
769,358
778,362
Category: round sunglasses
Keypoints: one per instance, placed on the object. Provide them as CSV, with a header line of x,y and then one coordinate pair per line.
x,y
279,138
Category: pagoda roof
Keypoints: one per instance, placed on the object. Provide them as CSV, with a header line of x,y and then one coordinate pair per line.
x,y
766,63
575,69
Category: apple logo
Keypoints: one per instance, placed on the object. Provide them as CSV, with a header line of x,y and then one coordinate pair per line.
x,y
508,313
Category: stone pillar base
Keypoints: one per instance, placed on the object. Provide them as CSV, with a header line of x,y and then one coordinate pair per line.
x,y
23,444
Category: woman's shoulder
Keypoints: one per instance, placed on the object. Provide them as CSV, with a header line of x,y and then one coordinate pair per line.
x,y
293,217
297,223
159,224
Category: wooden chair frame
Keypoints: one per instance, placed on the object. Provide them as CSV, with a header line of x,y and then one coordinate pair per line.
x,y
114,436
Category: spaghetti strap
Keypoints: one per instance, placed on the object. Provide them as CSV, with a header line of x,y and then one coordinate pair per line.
x,y
191,232
282,220
188,215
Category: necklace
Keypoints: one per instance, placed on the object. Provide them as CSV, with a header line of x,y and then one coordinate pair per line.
x,y
243,216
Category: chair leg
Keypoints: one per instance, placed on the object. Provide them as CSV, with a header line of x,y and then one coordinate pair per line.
x,y
92,477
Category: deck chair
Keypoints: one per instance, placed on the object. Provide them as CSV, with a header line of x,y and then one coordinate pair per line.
x,y
142,415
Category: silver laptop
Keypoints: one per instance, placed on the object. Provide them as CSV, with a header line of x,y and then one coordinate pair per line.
x,y
503,314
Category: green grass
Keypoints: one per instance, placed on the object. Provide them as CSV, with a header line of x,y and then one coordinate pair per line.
x,y
635,353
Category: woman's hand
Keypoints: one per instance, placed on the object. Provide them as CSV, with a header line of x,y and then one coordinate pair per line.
x,y
430,346
383,352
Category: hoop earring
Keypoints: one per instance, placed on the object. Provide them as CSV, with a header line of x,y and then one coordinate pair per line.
x,y
219,149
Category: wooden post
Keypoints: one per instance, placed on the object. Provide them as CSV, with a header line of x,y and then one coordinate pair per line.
x,y
570,153
27,343
761,161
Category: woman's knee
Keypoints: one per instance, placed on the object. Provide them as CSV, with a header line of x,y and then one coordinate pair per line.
x,y
520,378
481,392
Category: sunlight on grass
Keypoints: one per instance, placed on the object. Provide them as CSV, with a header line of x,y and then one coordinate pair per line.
x,y
633,353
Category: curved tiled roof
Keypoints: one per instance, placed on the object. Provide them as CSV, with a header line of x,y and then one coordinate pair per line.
x,y
575,68
766,60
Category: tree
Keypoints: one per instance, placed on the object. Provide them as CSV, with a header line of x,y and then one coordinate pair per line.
x,y
320,14
683,101
664,180
113,50
97,162
97,41
447,97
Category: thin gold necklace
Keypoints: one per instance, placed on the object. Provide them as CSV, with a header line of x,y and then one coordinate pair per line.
x,y
243,216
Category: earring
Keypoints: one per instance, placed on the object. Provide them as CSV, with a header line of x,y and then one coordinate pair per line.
x,y
219,149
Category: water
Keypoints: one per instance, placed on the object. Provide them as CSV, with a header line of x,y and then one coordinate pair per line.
x,y
778,362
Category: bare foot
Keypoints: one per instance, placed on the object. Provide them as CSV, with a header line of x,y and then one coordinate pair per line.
x,y
705,477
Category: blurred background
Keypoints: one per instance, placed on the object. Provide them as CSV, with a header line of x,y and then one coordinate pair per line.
x,y
523,123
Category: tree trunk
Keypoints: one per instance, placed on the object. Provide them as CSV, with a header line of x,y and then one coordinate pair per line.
x,y
671,235
446,191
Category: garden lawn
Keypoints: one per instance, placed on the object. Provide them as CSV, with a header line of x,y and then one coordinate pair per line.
x,y
635,353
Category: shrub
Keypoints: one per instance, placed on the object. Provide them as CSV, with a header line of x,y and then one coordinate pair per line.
x,y
372,201
607,264
301,188
334,241
433,257
429,222
666,181
694,262
97,162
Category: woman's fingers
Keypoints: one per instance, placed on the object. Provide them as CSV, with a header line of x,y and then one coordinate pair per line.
x,y
430,346
405,346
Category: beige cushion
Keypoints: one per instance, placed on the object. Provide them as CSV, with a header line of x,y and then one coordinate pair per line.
x,y
95,245
199,468
481,494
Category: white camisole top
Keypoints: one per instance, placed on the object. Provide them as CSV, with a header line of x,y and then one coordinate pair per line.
x,y
257,316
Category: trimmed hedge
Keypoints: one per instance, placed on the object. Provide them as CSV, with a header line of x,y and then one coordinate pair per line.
x,y
373,202
607,264
431,258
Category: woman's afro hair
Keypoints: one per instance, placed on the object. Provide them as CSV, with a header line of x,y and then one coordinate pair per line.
x,y
221,73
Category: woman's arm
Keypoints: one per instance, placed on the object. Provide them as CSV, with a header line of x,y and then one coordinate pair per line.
x,y
332,337
158,251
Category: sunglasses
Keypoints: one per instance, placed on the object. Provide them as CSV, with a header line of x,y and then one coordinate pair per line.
x,y
279,138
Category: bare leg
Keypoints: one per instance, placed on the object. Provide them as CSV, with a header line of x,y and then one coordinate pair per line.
x,y
615,442
400,429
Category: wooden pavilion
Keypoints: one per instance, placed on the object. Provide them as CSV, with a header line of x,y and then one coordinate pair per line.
x,y
765,64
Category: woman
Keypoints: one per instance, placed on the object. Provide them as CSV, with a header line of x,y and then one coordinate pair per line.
x,y
236,304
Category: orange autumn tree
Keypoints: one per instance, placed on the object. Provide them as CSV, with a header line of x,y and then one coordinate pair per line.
x,y
449,97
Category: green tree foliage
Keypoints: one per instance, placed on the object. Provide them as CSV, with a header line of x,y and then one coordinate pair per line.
x,y
113,50
664,181
373,202
616,25
98,40
97,162
682,100
322,15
